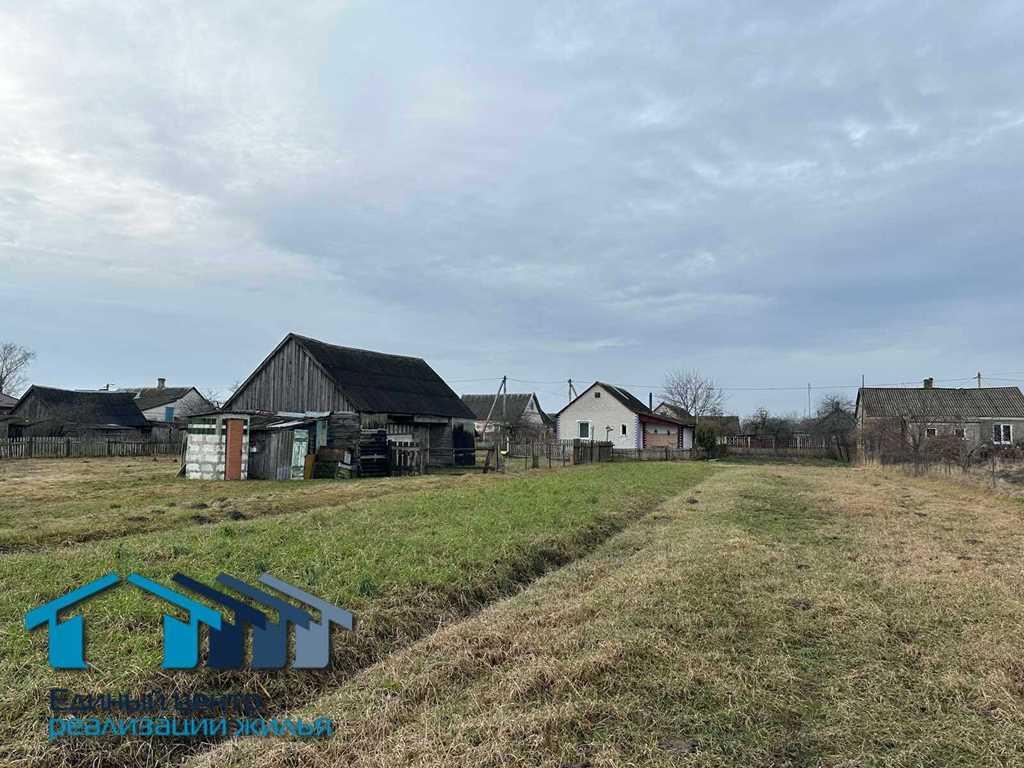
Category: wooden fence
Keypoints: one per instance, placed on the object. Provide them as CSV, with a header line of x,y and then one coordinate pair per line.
x,y
654,454
793,448
75,448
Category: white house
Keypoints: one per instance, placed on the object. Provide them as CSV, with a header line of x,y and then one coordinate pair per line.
x,y
169,404
608,413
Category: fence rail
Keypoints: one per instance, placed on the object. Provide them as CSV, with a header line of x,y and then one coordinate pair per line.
x,y
75,448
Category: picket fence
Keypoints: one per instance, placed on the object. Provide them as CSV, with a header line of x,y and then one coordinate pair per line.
x,y
75,448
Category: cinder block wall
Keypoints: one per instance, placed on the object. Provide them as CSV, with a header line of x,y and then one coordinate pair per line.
x,y
207,445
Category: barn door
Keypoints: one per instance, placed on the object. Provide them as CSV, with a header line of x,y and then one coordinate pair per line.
x,y
300,447
233,450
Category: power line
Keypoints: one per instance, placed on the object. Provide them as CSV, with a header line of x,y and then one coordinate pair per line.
x,y
749,388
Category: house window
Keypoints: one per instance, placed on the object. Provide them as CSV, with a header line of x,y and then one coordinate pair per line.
x,y
960,432
623,430
597,394
583,430
169,413
931,432
1002,434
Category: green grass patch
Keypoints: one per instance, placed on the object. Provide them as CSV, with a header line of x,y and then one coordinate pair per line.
x,y
403,563
797,617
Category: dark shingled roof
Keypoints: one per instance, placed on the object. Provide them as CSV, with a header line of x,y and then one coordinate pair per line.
x,y
940,403
154,397
480,405
679,414
6,401
374,382
87,408
625,397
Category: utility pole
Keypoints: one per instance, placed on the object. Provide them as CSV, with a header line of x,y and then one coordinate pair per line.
x,y
862,381
572,391
808,399
979,379
490,411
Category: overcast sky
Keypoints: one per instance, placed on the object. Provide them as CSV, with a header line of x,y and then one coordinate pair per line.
x,y
774,193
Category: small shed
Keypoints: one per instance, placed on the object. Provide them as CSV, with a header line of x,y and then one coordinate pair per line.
x,y
275,446
217,447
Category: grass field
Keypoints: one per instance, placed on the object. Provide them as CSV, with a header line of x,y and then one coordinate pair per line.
x,y
405,555
729,615
792,616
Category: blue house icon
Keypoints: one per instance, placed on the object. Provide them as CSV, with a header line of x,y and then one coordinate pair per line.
x,y
67,638
181,638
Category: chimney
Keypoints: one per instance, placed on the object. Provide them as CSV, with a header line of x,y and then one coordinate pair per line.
x,y
929,383
161,383
650,401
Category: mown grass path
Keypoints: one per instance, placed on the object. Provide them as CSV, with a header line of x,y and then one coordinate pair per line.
x,y
405,563
792,616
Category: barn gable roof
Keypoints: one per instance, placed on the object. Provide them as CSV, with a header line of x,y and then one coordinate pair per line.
x,y
940,403
480,405
375,382
89,408
154,397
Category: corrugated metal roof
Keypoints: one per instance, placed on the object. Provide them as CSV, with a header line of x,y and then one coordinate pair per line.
x,y
941,403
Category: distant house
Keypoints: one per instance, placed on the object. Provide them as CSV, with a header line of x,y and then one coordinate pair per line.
x,y
520,412
724,426
984,415
169,404
7,404
401,395
44,411
608,413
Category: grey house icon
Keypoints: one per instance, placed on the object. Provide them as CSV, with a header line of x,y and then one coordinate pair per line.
x,y
313,642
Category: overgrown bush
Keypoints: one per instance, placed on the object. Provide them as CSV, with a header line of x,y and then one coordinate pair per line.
x,y
707,441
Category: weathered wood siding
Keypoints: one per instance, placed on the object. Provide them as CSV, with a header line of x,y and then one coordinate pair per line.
x,y
290,381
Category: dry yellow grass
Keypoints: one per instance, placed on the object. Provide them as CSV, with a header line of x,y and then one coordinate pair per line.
x,y
62,502
780,615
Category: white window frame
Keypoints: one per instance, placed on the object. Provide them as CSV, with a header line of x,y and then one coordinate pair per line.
x,y
590,429
931,432
1002,431
960,432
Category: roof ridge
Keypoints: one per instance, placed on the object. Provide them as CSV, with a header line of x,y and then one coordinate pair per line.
x,y
300,337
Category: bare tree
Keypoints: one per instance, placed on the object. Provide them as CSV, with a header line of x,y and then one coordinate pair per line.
x,y
698,395
217,397
14,362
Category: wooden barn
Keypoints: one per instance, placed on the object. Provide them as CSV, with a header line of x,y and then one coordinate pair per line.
x,y
403,396
7,404
49,412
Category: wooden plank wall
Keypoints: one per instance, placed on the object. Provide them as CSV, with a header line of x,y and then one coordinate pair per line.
x,y
290,381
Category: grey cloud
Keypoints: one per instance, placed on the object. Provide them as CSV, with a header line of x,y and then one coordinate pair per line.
x,y
774,193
